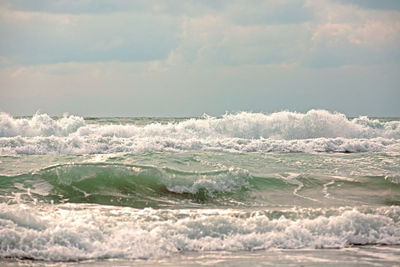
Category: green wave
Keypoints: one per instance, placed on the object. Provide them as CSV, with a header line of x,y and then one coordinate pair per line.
x,y
142,186
122,184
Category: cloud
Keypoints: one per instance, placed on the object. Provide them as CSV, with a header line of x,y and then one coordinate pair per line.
x,y
314,33
216,40
42,38
349,35
268,12
172,7
373,4
189,57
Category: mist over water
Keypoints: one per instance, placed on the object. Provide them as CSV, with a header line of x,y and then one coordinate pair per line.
x,y
75,189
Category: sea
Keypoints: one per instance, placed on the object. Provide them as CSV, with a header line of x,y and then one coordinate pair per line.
x,y
278,189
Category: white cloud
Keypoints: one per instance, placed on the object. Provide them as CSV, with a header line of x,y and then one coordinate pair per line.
x,y
217,40
234,32
350,35
353,25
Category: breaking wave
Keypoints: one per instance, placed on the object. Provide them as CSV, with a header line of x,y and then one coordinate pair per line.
x,y
39,125
141,186
79,232
121,184
314,131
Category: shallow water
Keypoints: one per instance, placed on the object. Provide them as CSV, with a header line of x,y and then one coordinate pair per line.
x,y
360,256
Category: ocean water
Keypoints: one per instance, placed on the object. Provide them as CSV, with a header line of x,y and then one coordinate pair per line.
x,y
274,189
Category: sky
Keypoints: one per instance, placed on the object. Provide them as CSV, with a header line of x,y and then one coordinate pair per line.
x,y
187,57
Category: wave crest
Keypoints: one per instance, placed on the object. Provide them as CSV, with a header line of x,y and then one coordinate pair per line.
x,y
316,130
122,184
39,125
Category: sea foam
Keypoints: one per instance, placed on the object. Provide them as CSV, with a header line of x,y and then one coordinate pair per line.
x,y
79,232
39,125
314,131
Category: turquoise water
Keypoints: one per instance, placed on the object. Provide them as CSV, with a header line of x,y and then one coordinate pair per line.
x,y
268,189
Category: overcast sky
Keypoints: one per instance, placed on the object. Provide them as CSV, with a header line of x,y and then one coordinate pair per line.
x,y
186,58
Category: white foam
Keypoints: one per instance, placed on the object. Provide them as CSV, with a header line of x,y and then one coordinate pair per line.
x,y
98,145
75,232
221,182
39,125
314,131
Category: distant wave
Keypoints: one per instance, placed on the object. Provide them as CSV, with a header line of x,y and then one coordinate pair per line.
x,y
39,125
314,131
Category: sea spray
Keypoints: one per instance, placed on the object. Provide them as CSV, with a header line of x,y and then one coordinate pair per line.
x,y
314,131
